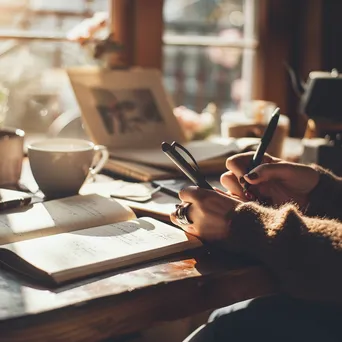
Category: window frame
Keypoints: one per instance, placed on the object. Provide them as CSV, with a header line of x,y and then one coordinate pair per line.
x,y
285,30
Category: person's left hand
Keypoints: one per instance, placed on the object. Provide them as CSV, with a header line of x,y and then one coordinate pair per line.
x,y
209,212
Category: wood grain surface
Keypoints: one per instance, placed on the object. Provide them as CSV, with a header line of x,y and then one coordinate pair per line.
x,y
127,301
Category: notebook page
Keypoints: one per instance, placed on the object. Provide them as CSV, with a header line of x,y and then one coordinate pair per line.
x,y
61,215
114,244
160,203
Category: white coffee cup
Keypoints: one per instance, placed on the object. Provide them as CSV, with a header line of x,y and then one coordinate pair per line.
x,y
60,166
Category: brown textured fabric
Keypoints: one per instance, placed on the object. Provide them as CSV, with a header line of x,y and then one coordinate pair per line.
x,y
303,252
326,198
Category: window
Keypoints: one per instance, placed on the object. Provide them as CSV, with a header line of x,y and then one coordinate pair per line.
x,y
33,46
208,52
208,55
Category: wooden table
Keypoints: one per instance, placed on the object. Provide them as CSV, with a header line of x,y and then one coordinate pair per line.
x,y
128,301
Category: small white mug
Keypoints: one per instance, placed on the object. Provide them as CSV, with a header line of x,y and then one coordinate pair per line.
x,y
60,166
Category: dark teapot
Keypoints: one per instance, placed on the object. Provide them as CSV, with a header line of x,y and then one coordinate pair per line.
x,y
321,102
321,95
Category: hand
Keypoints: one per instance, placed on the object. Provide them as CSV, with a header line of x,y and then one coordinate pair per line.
x,y
209,213
276,180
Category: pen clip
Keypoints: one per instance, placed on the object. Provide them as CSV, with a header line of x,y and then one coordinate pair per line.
x,y
188,154
193,173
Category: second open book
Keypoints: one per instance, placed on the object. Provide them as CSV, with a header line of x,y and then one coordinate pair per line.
x,y
62,240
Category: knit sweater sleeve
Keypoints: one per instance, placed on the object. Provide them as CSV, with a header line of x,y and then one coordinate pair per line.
x,y
304,253
326,198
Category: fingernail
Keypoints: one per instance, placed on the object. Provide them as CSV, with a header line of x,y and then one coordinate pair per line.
x,y
249,196
252,175
242,180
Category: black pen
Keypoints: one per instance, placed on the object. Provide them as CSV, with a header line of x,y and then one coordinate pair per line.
x,y
14,203
264,143
194,175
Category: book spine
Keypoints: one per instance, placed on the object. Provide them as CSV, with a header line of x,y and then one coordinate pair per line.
x,y
127,173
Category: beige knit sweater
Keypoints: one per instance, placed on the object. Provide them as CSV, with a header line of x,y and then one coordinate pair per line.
x,y
303,250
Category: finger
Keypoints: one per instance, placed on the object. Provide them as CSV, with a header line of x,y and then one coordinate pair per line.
x,y
193,194
189,209
221,191
230,195
239,163
231,183
188,228
173,218
190,214
268,172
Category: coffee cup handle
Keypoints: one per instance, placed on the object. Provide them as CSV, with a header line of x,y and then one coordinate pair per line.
x,y
101,163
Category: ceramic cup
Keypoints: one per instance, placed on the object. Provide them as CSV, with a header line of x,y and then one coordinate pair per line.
x,y
11,155
60,166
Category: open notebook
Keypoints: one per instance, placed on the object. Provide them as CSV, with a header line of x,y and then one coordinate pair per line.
x,y
62,240
130,112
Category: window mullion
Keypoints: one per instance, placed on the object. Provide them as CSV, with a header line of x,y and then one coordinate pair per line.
x,y
248,54
190,40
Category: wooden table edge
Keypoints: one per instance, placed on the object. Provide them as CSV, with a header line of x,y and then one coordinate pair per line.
x,y
112,315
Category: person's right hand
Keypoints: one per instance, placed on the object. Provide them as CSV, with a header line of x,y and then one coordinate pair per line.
x,y
275,181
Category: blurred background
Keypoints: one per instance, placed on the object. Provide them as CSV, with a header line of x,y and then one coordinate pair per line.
x,y
197,69
215,55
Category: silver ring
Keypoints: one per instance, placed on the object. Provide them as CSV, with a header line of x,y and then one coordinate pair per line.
x,y
182,214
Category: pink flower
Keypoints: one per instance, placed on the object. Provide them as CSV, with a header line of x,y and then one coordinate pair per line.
x,y
192,122
88,27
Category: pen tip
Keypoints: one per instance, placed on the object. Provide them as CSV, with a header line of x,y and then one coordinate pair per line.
x,y
276,111
165,146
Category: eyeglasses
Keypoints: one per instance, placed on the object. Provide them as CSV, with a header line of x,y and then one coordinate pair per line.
x,y
186,162
188,157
